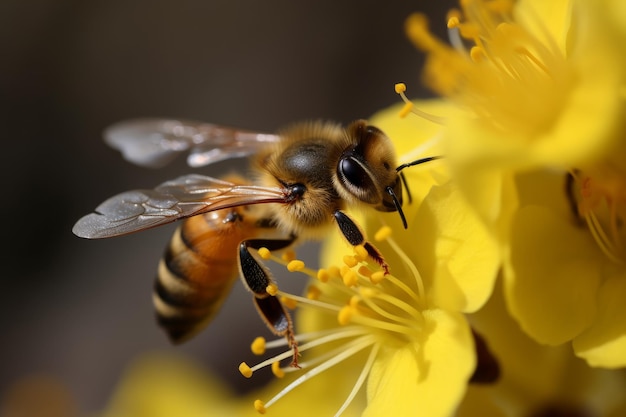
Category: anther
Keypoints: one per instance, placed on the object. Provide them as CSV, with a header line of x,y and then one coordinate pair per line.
x,y
257,347
350,278
360,253
453,14
277,371
344,317
245,370
400,88
259,406
453,22
323,275
264,253
271,289
477,54
295,265
377,277
350,261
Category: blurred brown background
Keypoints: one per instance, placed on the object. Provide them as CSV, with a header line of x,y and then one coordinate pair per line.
x,y
81,310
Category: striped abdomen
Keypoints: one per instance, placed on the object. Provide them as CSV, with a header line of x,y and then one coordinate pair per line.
x,y
197,271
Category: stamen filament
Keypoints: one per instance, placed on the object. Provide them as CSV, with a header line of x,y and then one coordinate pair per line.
x,y
316,303
359,382
318,359
383,325
352,348
286,261
412,269
601,233
334,336
396,302
600,237
343,333
454,36
613,216
381,312
268,362
421,113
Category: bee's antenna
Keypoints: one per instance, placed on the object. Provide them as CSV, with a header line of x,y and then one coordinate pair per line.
x,y
410,164
398,205
417,162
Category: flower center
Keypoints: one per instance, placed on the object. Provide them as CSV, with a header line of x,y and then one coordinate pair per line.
x,y
599,197
360,310
496,68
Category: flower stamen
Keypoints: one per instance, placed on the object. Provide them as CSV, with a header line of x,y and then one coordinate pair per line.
x,y
599,205
408,263
415,315
372,310
347,351
409,107
359,382
502,72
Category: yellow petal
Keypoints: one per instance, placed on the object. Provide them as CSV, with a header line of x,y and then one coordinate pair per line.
x,y
426,379
604,343
555,18
537,377
491,194
552,275
466,259
161,385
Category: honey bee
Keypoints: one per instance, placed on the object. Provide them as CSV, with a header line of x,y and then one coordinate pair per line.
x,y
304,179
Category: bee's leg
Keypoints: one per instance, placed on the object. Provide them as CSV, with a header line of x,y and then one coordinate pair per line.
x,y
257,278
353,234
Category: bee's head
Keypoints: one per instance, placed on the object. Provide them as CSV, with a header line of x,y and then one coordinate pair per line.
x,y
367,170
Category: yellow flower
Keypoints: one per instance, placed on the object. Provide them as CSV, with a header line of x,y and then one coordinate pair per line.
x,y
538,380
559,283
527,93
404,336
537,143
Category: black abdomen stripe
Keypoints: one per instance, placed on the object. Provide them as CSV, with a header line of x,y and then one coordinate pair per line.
x,y
191,282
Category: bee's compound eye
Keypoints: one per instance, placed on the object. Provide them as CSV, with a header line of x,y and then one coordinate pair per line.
x,y
352,171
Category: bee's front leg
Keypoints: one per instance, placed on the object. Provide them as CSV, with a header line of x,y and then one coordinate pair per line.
x,y
257,278
353,234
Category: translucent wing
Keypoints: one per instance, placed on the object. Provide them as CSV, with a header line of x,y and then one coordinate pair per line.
x,y
156,142
185,196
